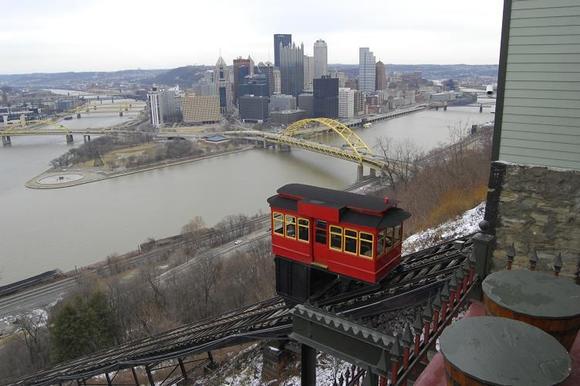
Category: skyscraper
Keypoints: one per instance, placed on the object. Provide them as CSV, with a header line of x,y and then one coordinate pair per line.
x,y
308,72
366,70
268,70
320,58
242,68
292,69
380,76
283,40
223,85
277,81
326,97
345,102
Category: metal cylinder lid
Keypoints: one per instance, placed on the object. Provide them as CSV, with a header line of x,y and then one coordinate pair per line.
x,y
532,293
500,351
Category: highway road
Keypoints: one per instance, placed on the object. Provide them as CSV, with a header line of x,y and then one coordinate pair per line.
x,y
44,296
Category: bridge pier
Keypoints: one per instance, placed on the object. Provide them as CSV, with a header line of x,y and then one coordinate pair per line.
x,y
360,172
6,141
69,139
86,138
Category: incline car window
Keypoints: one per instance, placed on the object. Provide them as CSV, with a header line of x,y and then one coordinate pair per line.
x,y
303,229
366,244
278,223
350,239
336,238
321,232
291,227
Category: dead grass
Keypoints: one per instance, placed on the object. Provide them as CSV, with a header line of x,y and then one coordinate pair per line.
x,y
453,203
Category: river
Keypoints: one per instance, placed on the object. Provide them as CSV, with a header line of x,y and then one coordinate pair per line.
x,y
64,228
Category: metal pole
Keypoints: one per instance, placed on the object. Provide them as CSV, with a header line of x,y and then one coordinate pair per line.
x,y
182,367
149,376
135,376
108,379
308,366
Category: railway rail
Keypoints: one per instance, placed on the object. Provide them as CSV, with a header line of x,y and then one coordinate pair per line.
x,y
419,276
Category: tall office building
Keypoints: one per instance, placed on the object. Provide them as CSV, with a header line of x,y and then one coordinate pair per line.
x,y
223,85
155,117
164,106
283,40
345,102
267,69
292,69
206,85
308,72
320,58
380,76
242,68
325,97
256,84
277,81
366,70
200,109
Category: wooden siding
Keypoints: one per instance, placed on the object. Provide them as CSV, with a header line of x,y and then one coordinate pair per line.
x,y
541,111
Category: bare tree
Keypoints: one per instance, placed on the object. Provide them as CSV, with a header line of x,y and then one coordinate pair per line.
x,y
401,160
33,333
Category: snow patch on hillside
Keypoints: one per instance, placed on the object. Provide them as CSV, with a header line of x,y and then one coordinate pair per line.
x,y
460,226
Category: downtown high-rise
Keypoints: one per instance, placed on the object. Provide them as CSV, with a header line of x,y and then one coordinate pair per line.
x,y
280,40
320,58
366,70
292,69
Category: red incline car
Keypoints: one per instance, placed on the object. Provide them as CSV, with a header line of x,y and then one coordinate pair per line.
x,y
319,234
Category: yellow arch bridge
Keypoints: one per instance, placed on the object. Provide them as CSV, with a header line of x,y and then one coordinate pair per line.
x,y
354,150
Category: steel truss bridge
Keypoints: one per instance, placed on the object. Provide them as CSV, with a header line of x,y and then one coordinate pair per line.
x,y
355,149
438,279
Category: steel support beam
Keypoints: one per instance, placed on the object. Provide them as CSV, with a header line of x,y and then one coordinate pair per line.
x,y
135,376
182,367
149,376
108,379
308,366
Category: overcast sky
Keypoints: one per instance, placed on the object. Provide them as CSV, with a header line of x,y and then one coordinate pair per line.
x,y
103,35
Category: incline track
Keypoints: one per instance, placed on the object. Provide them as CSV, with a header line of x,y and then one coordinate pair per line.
x,y
420,274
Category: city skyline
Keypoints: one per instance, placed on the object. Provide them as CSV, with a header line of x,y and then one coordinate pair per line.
x,y
70,36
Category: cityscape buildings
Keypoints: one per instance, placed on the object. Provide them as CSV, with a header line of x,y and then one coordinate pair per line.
x,y
308,72
282,102
320,58
223,85
256,84
380,76
268,70
325,103
242,68
277,81
280,40
253,108
200,109
366,70
306,104
164,106
345,102
292,69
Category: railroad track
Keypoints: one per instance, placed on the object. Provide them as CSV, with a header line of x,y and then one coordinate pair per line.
x,y
419,276
266,319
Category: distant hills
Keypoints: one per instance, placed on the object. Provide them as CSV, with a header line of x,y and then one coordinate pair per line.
x,y
186,76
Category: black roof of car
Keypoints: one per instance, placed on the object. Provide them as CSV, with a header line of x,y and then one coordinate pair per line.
x,y
350,204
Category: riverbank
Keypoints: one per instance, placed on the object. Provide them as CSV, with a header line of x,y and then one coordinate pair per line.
x,y
70,177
